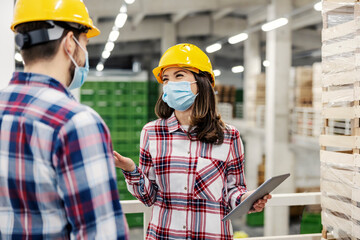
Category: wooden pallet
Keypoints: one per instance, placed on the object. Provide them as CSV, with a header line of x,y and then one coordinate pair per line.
x,y
340,149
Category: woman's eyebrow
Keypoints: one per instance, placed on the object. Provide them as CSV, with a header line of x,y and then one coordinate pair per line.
x,y
179,71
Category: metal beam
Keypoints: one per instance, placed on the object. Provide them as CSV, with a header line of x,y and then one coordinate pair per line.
x,y
179,16
221,13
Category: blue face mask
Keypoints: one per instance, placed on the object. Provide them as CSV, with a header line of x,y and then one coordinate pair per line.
x,y
80,73
178,95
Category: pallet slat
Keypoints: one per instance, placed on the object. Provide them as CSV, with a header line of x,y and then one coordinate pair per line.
x,y
341,112
340,141
338,48
342,95
339,30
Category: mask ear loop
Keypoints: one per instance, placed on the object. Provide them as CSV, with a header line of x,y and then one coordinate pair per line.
x,y
71,57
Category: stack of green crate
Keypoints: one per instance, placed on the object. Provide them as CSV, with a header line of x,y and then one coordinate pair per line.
x,y
123,105
239,101
153,97
310,223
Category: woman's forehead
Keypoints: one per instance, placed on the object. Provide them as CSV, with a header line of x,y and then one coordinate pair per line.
x,y
173,69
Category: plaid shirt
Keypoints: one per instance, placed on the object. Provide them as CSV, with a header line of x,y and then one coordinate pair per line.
x,y
57,176
191,185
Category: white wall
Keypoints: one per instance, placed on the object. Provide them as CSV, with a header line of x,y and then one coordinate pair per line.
x,y
230,78
7,46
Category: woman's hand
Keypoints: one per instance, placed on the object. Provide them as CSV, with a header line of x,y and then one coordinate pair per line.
x,y
259,205
124,163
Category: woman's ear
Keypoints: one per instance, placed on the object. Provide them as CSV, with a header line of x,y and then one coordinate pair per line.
x,y
69,43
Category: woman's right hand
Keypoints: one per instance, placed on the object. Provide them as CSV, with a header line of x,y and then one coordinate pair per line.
x,y
124,163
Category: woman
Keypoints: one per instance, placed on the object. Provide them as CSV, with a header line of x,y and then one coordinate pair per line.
x,y
191,164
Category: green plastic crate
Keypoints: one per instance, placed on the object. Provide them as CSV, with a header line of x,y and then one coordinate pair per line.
x,y
311,223
255,219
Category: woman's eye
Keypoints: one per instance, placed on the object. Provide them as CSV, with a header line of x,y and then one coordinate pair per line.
x,y
165,79
179,75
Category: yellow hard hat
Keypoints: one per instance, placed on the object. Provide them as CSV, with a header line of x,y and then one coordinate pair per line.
x,y
184,55
73,11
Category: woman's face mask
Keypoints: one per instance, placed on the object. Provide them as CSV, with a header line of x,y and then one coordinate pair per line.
x,y
178,95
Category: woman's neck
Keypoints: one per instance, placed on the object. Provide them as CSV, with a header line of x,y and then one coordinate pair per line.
x,y
184,117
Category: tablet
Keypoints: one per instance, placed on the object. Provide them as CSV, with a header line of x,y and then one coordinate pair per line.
x,y
265,188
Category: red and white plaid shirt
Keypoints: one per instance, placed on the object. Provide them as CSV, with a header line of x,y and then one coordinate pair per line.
x,y
192,185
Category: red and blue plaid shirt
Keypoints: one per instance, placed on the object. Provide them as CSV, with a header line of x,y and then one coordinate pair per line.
x,y
57,176
192,185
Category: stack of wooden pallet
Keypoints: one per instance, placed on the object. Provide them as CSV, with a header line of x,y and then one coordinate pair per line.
x,y
340,158
303,86
255,98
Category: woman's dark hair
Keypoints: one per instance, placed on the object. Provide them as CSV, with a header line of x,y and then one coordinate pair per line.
x,y
42,51
205,120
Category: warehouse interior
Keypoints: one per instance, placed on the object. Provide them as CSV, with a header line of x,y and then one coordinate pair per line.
x,y
268,83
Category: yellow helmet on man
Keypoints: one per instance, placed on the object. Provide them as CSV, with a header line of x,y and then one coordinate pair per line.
x,y
184,55
72,11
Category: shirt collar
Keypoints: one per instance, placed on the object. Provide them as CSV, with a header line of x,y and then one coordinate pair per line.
x,y
172,123
38,80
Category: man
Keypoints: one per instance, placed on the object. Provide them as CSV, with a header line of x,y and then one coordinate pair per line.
x,y
57,176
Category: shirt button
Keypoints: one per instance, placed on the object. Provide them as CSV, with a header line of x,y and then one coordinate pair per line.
x,y
185,188
188,152
184,227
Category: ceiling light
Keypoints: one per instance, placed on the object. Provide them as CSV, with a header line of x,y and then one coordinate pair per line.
x,y
274,24
129,2
213,48
109,46
18,57
318,6
113,36
238,38
100,67
237,69
123,9
105,54
266,63
217,72
120,20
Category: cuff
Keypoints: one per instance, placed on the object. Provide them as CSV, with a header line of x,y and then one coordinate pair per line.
x,y
133,176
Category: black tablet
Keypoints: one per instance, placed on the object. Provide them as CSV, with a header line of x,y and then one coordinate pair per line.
x,y
265,188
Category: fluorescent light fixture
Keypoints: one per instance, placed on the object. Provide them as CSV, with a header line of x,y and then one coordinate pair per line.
x,y
100,67
274,24
18,57
120,20
105,54
237,69
213,48
318,6
123,9
109,46
266,63
113,36
217,72
129,2
238,38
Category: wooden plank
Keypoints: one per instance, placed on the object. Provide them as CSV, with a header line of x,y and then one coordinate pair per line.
x,y
341,112
336,205
336,188
294,199
340,141
337,223
337,48
339,30
342,95
337,158
331,173
343,6
339,64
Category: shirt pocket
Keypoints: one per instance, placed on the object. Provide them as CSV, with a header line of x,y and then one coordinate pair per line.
x,y
210,179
